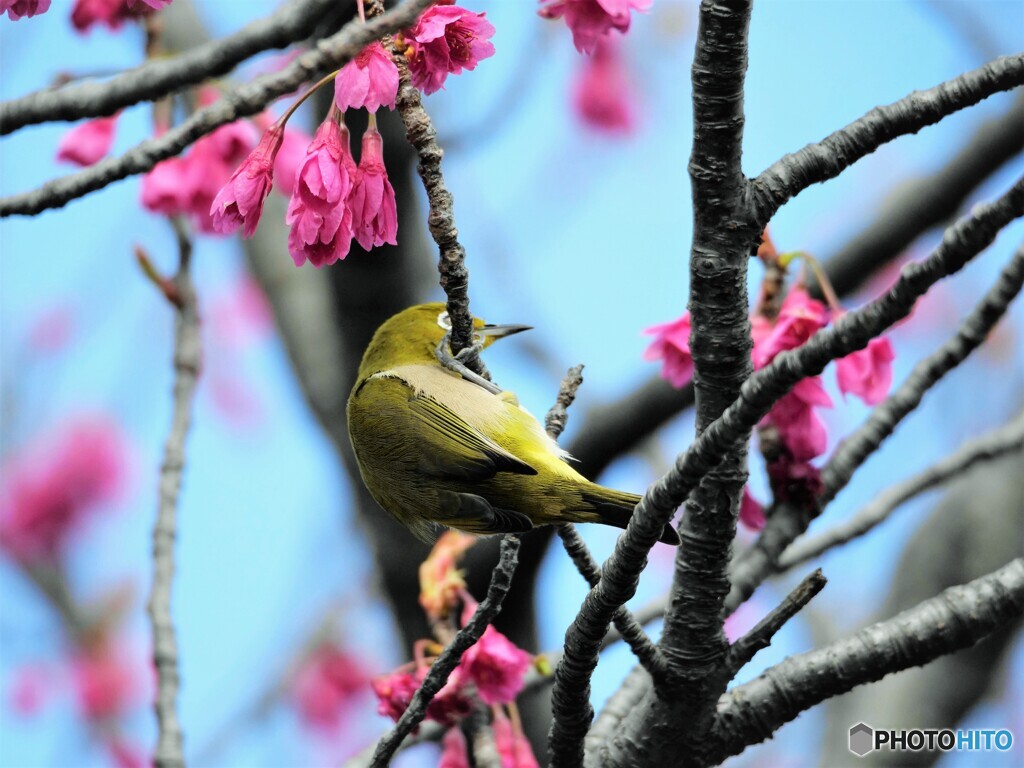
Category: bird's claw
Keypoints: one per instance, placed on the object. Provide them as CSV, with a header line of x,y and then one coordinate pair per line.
x,y
457,363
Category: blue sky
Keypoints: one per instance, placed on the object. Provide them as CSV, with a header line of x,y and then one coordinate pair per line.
x,y
582,236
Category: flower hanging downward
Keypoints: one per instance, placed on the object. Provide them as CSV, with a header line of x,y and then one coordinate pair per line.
x,y
89,142
446,40
370,80
240,201
320,221
372,202
867,373
16,9
602,95
590,20
672,345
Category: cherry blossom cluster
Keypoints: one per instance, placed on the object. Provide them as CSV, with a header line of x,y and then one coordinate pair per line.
x,y
328,686
792,433
491,671
51,489
86,14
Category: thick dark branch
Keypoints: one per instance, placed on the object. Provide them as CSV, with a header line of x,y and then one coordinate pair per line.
x,y
855,449
788,521
825,160
760,636
187,361
927,202
956,619
501,580
995,444
155,79
244,101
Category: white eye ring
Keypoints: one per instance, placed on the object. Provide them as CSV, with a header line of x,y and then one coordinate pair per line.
x,y
444,321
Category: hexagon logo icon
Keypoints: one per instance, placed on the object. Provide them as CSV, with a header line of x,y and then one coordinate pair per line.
x,y
862,738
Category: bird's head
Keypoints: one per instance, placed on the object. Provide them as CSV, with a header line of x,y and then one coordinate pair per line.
x,y
411,337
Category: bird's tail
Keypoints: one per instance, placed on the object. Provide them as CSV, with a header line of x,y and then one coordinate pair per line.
x,y
616,507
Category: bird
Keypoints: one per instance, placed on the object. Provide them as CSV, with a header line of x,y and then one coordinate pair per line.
x,y
438,447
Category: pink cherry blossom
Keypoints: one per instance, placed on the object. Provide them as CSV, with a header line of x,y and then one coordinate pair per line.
x,y
369,81
104,684
497,667
445,40
16,9
441,581
751,511
513,747
289,159
602,95
867,373
30,687
89,142
51,486
240,202
163,188
87,13
672,345
453,750
590,20
800,429
320,220
372,201
326,685
395,691
800,317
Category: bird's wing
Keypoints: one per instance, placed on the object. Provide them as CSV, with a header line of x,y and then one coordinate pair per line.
x,y
446,446
469,512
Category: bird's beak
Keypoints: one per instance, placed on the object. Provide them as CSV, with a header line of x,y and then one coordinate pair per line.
x,y
501,331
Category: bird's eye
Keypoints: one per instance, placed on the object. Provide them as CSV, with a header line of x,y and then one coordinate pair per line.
x,y
444,321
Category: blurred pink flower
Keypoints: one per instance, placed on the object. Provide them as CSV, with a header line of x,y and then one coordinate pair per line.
x,y
289,159
30,686
602,95
445,40
497,667
395,691
453,750
52,329
87,13
372,200
326,685
672,345
800,429
164,188
441,581
590,20
104,684
320,220
868,372
751,511
513,747
126,755
240,202
799,318
241,315
154,5
88,142
369,81
233,398
49,488
16,9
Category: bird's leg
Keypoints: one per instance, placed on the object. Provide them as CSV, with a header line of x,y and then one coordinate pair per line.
x,y
456,363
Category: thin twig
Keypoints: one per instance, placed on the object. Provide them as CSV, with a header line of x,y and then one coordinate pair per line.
x,y
815,163
760,636
243,101
955,619
187,357
158,78
787,521
1007,439
501,580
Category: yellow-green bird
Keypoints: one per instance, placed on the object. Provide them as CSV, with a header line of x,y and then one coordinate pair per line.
x,y
437,449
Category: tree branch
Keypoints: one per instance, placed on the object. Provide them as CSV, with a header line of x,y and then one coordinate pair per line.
x,y
187,361
789,521
760,636
243,101
854,450
154,79
501,580
956,619
993,445
825,160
